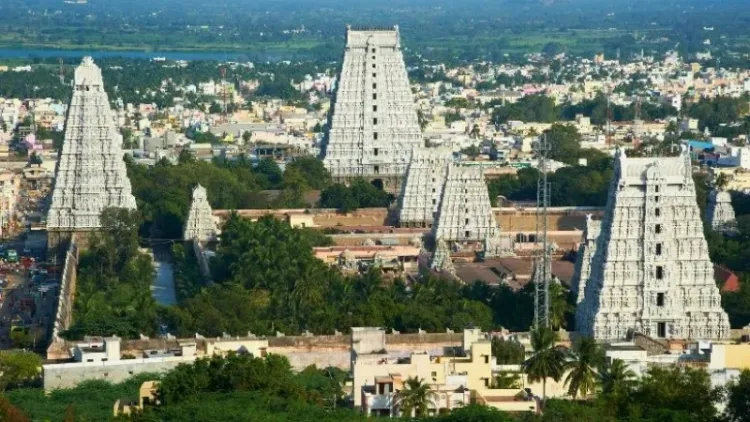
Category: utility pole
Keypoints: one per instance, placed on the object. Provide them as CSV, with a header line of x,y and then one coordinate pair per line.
x,y
542,262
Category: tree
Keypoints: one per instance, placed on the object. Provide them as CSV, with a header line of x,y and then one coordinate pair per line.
x,y
548,360
585,358
246,136
508,352
616,379
564,143
721,182
414,398
18,367
35,159
316,175
472,151
738,406
507,380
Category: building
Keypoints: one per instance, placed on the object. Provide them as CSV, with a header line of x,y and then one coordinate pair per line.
x,y
146,397
465,217
200,225
719,212
373,123
423,188
459,377
651,272
91,174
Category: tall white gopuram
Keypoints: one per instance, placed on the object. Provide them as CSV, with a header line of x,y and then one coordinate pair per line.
x,y
583,258
91,173
423,187
650,271
465,215
720,213
200,224
373,126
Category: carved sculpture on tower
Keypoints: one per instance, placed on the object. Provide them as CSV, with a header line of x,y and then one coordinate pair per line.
x,y
373,125
650,271
583,258
720,213
200,225
91,173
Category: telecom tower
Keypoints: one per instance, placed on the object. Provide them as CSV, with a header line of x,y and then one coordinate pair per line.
x,y
224,93
542,263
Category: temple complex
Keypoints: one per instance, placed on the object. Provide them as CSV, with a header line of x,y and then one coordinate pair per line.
x,y
91,174
423,188
650,271
373,125
200,224
719,212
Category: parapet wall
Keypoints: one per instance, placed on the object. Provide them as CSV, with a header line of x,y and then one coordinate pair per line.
x,y
64,315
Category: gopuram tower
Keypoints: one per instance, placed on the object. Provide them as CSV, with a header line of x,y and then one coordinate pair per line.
x,y
91,174
373,125
650,271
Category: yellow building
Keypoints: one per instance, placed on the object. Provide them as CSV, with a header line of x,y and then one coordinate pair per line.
x,y
457,378
146,397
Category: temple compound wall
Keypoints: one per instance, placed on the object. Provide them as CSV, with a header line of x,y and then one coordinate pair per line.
x,y
373,121
650,271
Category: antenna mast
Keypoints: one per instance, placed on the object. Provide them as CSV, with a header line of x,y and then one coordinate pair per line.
x,y
224,92
609,116
542,263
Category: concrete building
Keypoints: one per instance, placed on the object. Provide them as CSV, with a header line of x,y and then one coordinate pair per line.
x,y
651,272
373,123
459,377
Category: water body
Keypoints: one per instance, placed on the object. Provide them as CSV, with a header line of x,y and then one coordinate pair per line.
x,y
238,56
162,287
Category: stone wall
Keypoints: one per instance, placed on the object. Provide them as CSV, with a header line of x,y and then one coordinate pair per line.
x,y
64,315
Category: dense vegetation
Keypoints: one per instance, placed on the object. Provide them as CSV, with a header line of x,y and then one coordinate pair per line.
x,y
440,29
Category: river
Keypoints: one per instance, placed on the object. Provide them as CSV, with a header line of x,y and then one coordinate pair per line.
x,y
238,56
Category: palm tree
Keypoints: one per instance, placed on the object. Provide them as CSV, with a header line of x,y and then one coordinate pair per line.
x,y
616,378
548,360
415,397
585,358
559,305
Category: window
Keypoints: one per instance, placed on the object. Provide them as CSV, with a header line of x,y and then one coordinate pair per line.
x,y
467,210
433,190
374,96
434,374
433,203
375,152
657,229
658,249
374,86
660,299
373,57
375,136
657,212
466,221
659,272
373,50
486,359
373,65
374,108
656,198
656,189
467,233
377,169
106,374
661,329
375,121
374,75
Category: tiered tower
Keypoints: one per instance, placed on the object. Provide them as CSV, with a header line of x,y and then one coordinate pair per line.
x,y
720,213
583,258
423,187
91,173
650,271
465,213
200,225
373,126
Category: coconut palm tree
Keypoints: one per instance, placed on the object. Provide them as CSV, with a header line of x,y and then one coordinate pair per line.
x,y
584,359
559,305
548,360
415,397
616,378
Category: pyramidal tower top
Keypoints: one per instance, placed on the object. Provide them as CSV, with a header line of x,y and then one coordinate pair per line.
x,y
650,271
373,125
91,173
200,225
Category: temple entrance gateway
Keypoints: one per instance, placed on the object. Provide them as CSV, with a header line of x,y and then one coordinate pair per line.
x,y
378,183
